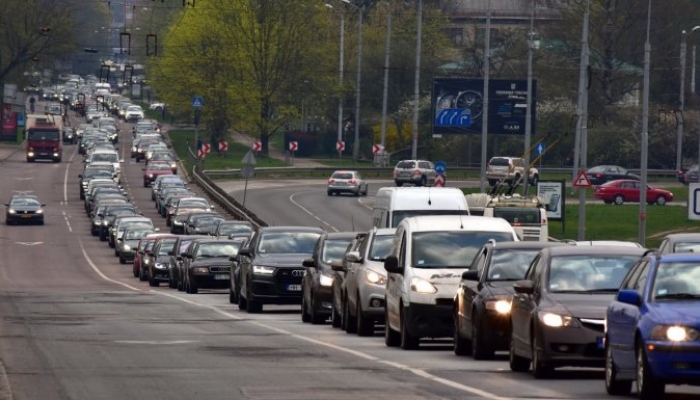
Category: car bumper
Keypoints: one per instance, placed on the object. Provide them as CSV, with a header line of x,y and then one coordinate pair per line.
x,y
677,363
210,281
127,255
429,320
497,327
24,218
572,346
276,291
160,274
372,300
344,188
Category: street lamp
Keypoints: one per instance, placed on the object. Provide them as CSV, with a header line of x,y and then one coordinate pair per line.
x,y
356,143
341,65
645,135
681,99
385,96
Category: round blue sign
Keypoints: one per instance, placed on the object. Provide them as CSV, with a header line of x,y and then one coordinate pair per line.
x,y
440,167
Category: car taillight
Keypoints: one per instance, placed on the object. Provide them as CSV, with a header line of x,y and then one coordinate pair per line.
x,y
352,181
331,181
598,175
416,172
543,221
396,173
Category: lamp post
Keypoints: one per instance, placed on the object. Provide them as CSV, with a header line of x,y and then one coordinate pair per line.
x,y
528,114
341,65
681,99
485,111
581,150
416,89
645,136
385,96
356,143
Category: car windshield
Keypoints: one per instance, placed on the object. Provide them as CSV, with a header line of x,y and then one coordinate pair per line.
x,y
406,164
34,134
111,157
97,173
510,264
150,244
24,201
229,229
500,162
207,221
381,247
166,246
677,281
134,108
193,203
184,244
686,247
220,249
288,242
132,234
398,216
158,167
342,175
334,250
588,273
441,249
135,225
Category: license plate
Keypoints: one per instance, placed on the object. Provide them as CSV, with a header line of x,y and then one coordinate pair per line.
x,y
294,288
26,216
221,277
601,345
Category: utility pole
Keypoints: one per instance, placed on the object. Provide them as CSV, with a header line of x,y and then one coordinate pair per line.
x,y
582,124
358,89
385,96
528,114
341,64
416,91
645,136
485,112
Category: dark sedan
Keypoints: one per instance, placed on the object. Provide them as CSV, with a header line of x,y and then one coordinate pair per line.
x,y
208,264
159,265
600,174
24,208
558,310
202,223
483,300
270,267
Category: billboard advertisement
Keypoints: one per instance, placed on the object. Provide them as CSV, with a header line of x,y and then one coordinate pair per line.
x,y
552,195
458,105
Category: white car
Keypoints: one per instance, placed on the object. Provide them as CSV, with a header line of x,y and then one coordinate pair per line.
x,y
156,106
133,113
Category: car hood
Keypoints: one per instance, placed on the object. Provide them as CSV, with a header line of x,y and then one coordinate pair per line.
x,y
584,305
163,259
201,262
25,208
280,260
676,312
445,279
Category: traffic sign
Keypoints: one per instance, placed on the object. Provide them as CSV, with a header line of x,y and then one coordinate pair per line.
x,y
694,201
439,180
257,146
440,167
539,149
459,117
377,148
248,159
197,101
201,153
247,171
340,145
223,145
582,180
293,145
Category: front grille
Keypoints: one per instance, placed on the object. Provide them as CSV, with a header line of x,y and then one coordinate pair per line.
x,y
286,275
444,302
220,269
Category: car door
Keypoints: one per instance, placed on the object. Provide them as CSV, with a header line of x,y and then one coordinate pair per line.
x,y
394,286
469,290
627,320
245,264
311,273
354,272
634,190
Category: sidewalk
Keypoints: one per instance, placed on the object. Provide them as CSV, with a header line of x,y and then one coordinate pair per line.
x,y
7,149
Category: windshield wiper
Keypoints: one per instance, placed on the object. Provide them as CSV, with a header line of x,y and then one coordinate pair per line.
x,y
604,290
678,296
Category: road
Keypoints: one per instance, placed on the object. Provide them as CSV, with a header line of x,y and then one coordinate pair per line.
x,y
75,324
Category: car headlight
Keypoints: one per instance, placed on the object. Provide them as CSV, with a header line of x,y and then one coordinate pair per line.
x,y
556,320
674,333
160,266
375,278
177,222
40,211
173,165
97,222
201,270
262,270
501,306
326,280
150,176
146,261
420,285
11,211
127,247
105,223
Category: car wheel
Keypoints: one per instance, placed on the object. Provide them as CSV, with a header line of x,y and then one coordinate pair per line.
x,y
152,281
535,179
171,281
461,346
619,200
254,306
366,190
391,337
316,318
408,341
540,370
242,302
232,295
481,348
179,284
122,260
661,201
365,326
329,193
336,320
493,182
142,276
305,316
193,287
349,322
517,363
614,386
135,271
648,387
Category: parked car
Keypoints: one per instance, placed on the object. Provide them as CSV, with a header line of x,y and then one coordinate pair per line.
x,y
688,175
509,170
622,190
415,172
483,300
558,310
653,327
600,174
317,282
680,243
347,182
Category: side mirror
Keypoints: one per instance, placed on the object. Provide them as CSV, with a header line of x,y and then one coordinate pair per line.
x,y
43,205
80,175
353,257
244,251
179,258
628,296
524,287
470,276
391,265
309,263
171,253
338,266
157,229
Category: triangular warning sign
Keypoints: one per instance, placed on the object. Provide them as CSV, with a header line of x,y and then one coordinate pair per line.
x,y
582,180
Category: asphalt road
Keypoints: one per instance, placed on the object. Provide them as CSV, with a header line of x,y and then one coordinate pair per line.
x,y
75,324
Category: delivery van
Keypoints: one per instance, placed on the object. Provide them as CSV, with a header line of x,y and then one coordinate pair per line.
x,y
393,204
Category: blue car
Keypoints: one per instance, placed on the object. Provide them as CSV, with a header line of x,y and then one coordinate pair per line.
x,y
653,327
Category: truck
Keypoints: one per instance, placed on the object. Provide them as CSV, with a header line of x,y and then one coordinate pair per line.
x,y
43,138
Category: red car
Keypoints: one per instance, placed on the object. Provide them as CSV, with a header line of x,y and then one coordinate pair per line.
x,y
622,190
153,169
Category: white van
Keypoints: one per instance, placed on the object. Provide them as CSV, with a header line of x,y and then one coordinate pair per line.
x,y
427,260
393,204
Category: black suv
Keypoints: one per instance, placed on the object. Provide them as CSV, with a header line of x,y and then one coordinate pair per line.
x,y
317,283
270,266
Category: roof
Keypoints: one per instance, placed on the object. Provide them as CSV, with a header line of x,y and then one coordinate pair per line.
x,y
595,250
291,229
683,236
525,245
680,257
433,223
503,9
341,235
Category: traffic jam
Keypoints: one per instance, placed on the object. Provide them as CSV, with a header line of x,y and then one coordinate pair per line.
x,y
428,269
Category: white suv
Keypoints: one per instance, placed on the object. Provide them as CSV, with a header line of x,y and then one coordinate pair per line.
x,y
416,172
510,170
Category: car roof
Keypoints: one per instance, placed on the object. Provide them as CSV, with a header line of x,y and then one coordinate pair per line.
x,y
594,250
291,229
434,223
384,231
341,235
525,245
681,236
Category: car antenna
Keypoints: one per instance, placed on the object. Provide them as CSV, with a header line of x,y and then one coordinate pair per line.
x,y
430,203
461,223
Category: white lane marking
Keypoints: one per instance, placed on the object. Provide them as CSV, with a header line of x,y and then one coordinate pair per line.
x,y
156,342
291,198
29,243
65,178
65,217
97,270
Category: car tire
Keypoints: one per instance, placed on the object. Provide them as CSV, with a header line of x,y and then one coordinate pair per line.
x,y
179,284
145,184
540,370
232,295
254,306
461,346
336,320
661,201
365,326
619,200
648,387
391,337
614,386
142,276
305,316
408,341
535,179
366,190
349,322
316,318
493,182
152,281
329,193
193,287
171,282
242,302
516,362
481,348
135,272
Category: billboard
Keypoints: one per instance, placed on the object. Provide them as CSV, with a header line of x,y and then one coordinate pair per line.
x,y
458,105
553,196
